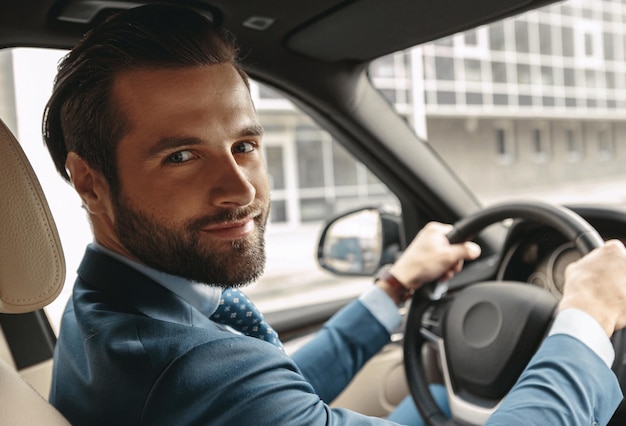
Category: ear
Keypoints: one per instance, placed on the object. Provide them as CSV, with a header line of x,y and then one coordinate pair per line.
x,y
91,186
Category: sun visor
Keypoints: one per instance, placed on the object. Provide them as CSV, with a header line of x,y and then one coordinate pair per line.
x,y
380,27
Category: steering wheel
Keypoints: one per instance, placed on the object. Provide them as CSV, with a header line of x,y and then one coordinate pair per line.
x,y
487,332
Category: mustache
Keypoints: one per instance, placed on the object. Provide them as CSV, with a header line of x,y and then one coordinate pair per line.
x,y
227,216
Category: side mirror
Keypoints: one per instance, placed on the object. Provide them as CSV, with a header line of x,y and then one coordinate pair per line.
x,y
359,242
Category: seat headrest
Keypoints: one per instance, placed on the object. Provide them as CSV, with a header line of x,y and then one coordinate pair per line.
x,y
32,266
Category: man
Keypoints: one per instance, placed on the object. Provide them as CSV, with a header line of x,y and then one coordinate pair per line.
x,y
152,122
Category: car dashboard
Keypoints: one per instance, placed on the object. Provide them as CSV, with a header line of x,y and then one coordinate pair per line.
x,y
538,254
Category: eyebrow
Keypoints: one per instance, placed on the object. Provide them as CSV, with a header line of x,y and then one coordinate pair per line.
x,y
173,142
253,130
166,144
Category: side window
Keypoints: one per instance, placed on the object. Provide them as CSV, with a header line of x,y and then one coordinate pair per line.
x,y
312,178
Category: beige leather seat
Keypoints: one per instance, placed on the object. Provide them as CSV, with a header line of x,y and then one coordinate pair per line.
x,y
32,272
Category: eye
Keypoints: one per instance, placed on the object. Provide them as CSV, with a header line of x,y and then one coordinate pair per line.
x,y
244,147
180,157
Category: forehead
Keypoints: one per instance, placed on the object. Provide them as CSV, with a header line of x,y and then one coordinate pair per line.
x,y
194,102
145,92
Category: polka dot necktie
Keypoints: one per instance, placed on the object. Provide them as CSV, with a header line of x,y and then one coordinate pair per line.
x,y
237,311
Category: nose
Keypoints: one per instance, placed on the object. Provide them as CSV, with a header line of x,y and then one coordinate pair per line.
x,y
231,185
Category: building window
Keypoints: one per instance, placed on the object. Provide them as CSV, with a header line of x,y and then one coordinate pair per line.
x,y
567,35
498,72
573,145
344,166
275,166
609,48
310,162
521,36
496,36
473,70
523,74
525,100
501,145
541,145
590,78
589,48
547,76
278,212
606,147
505,148
444,68
609,78
545,39
446,98
474,98
569,77
470,38
500,99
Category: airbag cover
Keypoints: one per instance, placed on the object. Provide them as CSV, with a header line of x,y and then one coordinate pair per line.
x,y
491,331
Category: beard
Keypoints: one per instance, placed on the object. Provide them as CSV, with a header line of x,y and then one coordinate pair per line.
x,y
182,250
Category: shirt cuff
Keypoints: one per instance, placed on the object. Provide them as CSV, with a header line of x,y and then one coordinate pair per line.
x,y
382,307
582,326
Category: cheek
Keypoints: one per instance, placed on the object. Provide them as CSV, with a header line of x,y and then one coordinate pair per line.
x,y
163,200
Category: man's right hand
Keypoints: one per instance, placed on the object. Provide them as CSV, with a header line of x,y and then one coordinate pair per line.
x,y
430,256
596,284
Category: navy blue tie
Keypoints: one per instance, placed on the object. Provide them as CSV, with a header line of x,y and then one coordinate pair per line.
x,y
237,311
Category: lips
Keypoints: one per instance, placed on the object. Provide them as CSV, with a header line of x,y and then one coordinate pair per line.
x,y
232,230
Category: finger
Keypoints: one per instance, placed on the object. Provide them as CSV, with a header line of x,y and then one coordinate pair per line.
x,y
473,250
615,245
467,250
443,228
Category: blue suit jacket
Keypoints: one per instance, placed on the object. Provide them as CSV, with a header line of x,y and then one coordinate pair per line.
x,y
132,352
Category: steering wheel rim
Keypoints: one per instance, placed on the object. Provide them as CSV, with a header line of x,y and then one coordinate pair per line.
x,y
570,224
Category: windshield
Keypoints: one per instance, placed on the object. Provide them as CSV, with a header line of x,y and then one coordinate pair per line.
x,y
529,107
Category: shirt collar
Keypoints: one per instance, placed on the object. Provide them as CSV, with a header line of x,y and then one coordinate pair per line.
x,y
202,296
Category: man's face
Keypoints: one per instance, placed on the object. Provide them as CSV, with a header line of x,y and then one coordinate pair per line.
x,y
194,193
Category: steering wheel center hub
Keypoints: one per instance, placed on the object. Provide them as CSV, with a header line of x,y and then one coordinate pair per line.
x,y
491,331
482,324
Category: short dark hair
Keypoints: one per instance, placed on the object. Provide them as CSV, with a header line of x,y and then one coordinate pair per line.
x,y
81,115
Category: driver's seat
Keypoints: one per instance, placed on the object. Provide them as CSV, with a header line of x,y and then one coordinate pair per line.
x,y
32,272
